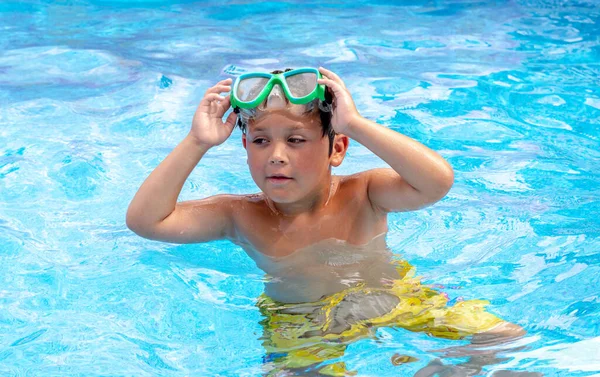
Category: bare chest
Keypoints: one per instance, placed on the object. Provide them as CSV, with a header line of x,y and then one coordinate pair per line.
x,y
275,236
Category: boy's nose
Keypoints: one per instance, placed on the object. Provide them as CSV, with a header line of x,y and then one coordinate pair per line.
x,y
278,154
276,158
275,161
276,98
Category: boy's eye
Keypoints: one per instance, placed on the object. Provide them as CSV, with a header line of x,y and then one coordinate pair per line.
x,y
259,141
296,140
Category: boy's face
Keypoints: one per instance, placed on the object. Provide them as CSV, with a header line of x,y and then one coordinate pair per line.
x,y
285,142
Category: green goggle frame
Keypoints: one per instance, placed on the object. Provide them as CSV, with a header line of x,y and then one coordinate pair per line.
x,y
297,85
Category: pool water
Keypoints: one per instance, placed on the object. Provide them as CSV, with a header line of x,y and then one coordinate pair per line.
x,y
95,93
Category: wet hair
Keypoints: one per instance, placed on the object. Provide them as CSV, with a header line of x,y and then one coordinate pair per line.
x,y
325,113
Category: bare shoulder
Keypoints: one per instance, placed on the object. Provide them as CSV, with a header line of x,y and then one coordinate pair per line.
x,y
357,184
354,185
353,189
248,206
230,205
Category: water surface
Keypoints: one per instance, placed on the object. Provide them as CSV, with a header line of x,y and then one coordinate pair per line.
x,y
94,94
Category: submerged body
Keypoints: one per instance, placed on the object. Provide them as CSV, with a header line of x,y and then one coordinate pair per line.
x,y
339,285
322,297
331,279
325,268
304,256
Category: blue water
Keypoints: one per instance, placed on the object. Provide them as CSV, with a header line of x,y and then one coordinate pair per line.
x,y
94,94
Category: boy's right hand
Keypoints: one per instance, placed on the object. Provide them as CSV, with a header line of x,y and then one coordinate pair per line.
x,y
208,128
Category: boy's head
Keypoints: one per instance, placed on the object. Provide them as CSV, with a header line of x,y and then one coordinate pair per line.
x,y
294,142
277,99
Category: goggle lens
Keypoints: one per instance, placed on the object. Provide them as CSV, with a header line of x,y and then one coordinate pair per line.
x,y
301,84
249,88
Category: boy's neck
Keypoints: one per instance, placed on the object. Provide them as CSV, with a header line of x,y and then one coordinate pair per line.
x,y
311,204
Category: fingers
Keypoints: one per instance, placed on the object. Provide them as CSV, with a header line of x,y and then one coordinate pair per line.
x,y
333,85
218,89
223,86
224,104
212,97
330,75
332,81
225,82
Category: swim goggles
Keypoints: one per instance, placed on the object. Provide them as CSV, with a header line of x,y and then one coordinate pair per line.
x,y
299,85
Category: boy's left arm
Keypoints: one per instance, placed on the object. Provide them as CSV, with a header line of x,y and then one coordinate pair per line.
x,y
419,177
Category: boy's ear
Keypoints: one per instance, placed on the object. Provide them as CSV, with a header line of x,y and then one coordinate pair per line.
x,y
244,140
338,152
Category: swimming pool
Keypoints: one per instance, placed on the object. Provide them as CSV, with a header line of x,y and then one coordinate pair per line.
x,y
94,94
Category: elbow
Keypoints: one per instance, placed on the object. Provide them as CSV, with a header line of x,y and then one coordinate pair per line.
x,y
134,224
447,180
139,224
443,185
436,188
139,229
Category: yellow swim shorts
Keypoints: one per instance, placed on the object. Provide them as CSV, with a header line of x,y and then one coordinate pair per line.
x,y
300,335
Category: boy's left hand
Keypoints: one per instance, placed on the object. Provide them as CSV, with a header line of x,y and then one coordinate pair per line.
x,y
344,110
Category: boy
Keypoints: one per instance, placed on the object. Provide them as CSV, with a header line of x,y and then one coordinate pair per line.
x,y
320,238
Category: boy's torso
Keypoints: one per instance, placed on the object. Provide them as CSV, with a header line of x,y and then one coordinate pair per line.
x,y
319,254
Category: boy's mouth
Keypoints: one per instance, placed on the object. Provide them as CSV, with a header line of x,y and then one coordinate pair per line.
x,y
278,178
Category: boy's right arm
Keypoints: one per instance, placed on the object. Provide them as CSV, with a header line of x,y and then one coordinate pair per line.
x,y
154,212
